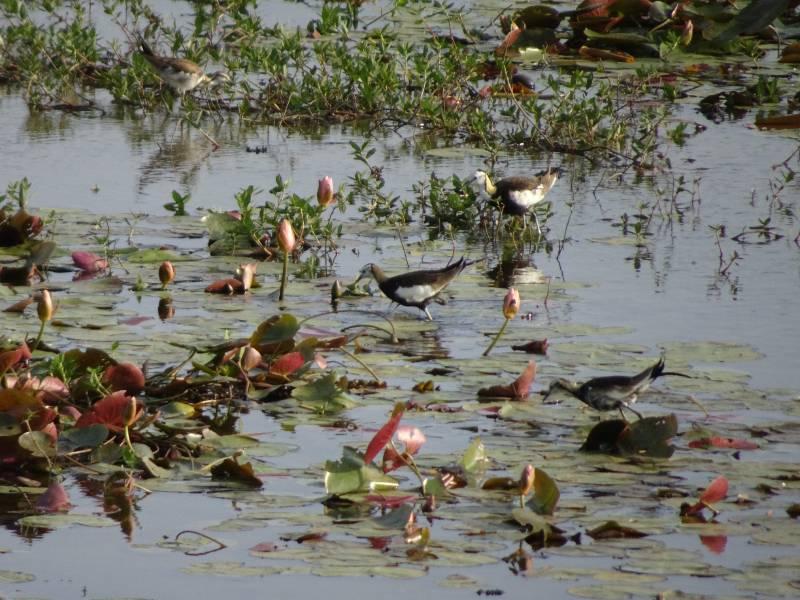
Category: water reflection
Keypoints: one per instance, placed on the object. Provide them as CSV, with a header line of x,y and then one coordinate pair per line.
x,y
513,271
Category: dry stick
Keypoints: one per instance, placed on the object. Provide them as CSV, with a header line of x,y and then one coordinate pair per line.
x,y
402,245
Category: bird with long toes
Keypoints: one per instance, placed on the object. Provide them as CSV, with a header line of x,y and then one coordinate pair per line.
x,y
519,195
416,288
181,74
613,392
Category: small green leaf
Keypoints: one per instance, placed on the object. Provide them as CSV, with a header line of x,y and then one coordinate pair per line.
x,y
323,396
474,456
275,329
545,493
83,437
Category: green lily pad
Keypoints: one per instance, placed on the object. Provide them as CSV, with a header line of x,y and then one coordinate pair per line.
x,y
57,521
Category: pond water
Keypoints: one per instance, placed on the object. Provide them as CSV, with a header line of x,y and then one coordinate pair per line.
x,y
605,304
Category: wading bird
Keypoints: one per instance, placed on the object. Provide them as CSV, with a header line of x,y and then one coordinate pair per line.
x,y
519,195
180,74
417,288
614,391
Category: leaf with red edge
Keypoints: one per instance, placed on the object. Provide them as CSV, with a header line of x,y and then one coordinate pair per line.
x,y
715,543
287,364
522,386
715,492
518,390
111,411
14,357
384,434
55,499
723,442
89,262
226,286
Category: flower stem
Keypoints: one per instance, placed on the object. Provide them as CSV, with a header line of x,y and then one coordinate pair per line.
x,y
38,337
284,275
497,337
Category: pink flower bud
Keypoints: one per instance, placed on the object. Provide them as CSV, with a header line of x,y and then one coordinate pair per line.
x,y
325,195
511,303
526,480
286,237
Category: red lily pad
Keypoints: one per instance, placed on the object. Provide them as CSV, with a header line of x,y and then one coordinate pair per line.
x,y
113,411
126,377
89,262
723,442
518,390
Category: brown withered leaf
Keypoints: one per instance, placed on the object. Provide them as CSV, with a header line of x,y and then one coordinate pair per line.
x,y
613,530
230,469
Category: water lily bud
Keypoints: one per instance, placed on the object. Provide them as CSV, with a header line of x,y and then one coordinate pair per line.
x,y
286,238
325,195
131,412
526,480
337,289
166,273
44,307
511,303
686,34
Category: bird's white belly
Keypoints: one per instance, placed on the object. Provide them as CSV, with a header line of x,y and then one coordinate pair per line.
x,y
527,198
416,293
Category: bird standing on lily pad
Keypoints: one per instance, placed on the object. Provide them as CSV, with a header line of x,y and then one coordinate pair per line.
x,y
416,288
519,195
613,392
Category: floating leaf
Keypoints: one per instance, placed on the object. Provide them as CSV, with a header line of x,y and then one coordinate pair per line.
x,y
649,437
504,484
89,262
90,436
613,530
518,390
780,122
115,411
38,443
350,474
323,395
723,442
231,469
275,329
